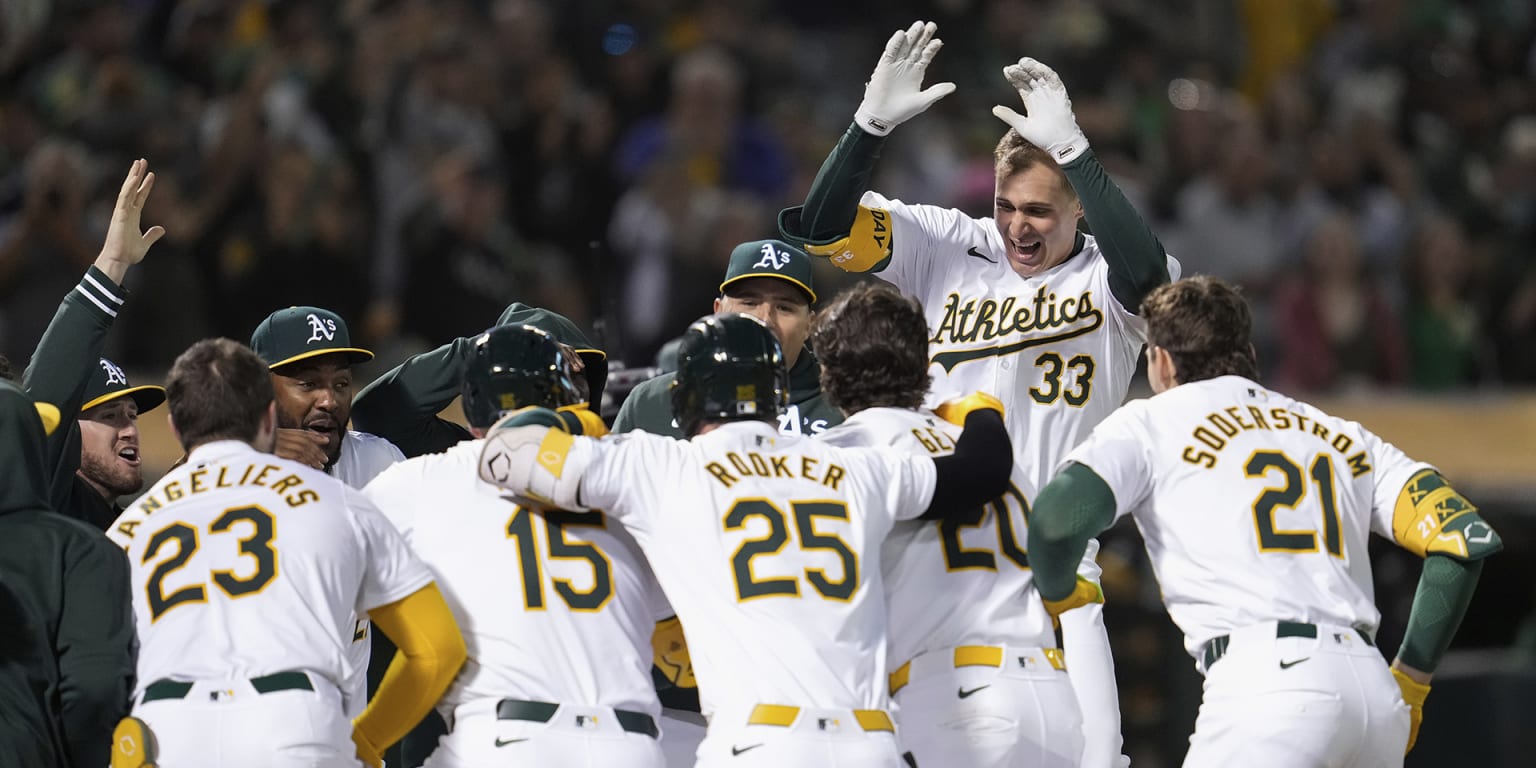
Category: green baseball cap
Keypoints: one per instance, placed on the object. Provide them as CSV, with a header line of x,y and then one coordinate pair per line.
x,y
299,333
770,258
108,382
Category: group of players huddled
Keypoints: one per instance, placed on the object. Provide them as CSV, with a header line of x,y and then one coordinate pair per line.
x,y
860,535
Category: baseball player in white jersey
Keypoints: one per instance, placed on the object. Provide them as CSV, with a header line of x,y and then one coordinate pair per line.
x,y
1020,305
558,608
1256,509
766,545
247,570
977,678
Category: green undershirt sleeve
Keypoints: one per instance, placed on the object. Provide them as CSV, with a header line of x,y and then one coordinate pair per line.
x,y
1137,260
1074,507
402,405
833,200
1445,590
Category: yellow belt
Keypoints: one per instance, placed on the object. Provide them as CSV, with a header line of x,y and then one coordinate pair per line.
x,y
781,715
974,656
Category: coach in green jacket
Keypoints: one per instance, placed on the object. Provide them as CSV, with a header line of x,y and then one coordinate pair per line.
x,y
770,280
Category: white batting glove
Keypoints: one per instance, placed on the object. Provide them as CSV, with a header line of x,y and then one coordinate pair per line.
x,y
1050,124
894,94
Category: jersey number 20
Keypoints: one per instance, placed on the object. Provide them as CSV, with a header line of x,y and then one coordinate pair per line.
x,y
258,546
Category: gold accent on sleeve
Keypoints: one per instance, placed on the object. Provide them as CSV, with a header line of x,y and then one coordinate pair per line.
x,y
868,242
1425,506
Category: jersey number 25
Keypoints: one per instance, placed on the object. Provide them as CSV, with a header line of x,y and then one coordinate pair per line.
x,y
749,586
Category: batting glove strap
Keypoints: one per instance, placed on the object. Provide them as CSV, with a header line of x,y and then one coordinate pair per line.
x,y
535,463
1049,123
895,91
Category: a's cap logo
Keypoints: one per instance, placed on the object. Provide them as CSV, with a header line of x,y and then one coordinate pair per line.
x,y
115,374
773,258
320,330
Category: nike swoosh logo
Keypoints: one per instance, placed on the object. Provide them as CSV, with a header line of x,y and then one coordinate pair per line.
x,y
738,750
504,742
964,694
1289,664
971,251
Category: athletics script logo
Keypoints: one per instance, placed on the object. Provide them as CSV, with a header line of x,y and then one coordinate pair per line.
x,y
1045,318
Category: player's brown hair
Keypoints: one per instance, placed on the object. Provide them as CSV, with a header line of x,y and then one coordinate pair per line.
x,y
1014,153
1205,325
217,390
873,346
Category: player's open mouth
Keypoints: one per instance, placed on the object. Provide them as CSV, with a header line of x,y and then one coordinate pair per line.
x,y
130,455
326,429
1027,251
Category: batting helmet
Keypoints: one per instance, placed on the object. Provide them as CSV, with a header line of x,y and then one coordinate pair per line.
x,y
515,366
729,367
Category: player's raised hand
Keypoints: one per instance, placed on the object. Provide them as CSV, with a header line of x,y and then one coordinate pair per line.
x,y
301,445
895,92
125,243
1048,122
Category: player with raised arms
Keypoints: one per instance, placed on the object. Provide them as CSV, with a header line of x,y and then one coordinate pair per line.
x,y
1256,509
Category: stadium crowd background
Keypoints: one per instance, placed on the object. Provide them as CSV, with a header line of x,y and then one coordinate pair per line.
x,y
1365,168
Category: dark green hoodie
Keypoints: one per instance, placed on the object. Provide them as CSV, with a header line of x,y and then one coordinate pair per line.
x,y
66,618
649,407
402,405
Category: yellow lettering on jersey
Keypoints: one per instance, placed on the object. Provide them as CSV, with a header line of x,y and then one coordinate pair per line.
x,y
127,527
197,480
759,465
808,467
1282,418
738,463
285,483
302,497
149,504
1258,417
715,468
834,475
1237,417
1358,465
781,466
969,320
247,475
261,475
219,483
172,491
1231,424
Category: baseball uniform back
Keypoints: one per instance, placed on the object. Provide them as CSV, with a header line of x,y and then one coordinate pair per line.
x,y
768,549
557,610
1256,509
977,674
246,571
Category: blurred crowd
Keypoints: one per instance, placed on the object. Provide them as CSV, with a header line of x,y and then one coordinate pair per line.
x,y
1366,168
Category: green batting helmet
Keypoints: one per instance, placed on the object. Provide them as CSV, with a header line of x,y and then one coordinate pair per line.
x,y
515,366
729,367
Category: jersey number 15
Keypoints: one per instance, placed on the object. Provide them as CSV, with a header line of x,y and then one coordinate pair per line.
x,y
522,528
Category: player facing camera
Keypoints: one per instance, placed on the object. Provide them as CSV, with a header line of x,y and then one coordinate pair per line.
x,y
730,367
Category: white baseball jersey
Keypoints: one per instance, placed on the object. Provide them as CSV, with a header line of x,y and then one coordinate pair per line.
x,y
1057,348
962,582
363,457
1254,506
555,606
244,564
768,549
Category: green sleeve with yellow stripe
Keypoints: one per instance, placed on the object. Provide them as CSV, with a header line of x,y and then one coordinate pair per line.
x,y
831,212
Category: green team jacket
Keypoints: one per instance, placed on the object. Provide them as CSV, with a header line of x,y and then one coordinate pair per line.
x,y
66,617
62,365
649,407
